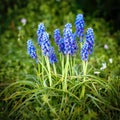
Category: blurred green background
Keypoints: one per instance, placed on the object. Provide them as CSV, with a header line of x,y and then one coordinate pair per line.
x,y
102,16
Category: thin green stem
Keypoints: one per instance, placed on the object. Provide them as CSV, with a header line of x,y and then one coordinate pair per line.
x,y
71,65
84,73
38,65
49,70
42,68
62,65
38,72
54,68
66,72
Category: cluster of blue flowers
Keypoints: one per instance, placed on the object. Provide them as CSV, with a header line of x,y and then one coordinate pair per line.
x,y
90,39
44,42
79,24
31,49
70,45
40,31
66,44
57,36
88,44
59,40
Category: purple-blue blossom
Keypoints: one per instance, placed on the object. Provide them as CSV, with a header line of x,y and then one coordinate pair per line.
x,y
57,36
40,31
84,52
90,39
52,56
45,44
61,45
59,40
70,45
74,46
79,23
31,49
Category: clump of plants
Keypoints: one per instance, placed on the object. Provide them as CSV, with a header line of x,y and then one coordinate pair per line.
x,y
62,87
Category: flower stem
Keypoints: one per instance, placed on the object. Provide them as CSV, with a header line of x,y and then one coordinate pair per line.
x,y
62,65
42,68
49,70
54,68
66,72
84,73
71,65
38,72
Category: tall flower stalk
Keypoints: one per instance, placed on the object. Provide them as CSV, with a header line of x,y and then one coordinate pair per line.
x,y
47,49
70,48
86,50
60,43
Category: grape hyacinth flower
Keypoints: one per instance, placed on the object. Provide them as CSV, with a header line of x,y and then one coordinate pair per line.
x,y
59,40
74,46
57,36
52,56
79,23
84,52
90,39
45,44
61,45
47,49
70,45
40,31
31,49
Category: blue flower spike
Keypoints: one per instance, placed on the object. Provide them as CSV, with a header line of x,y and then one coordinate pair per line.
x,y
40,31
70,45
90,39
45,44
88,45
31,49
52,56
57,36
84,52
59,40
79,23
